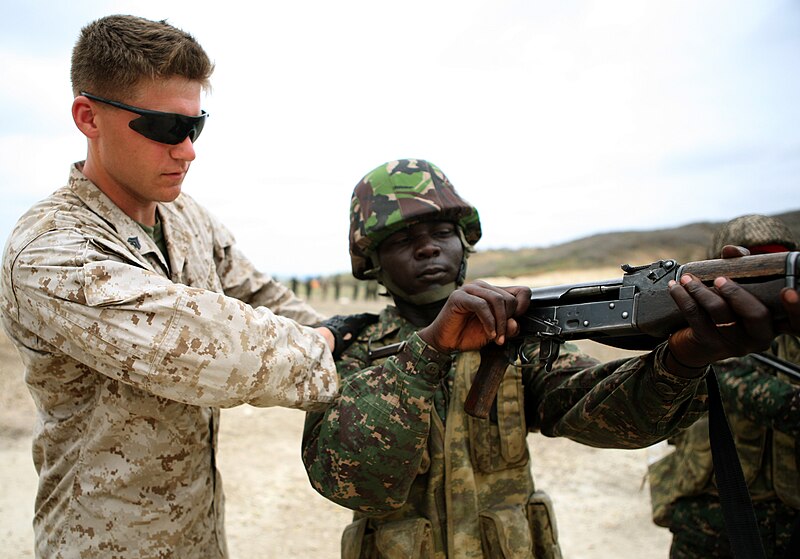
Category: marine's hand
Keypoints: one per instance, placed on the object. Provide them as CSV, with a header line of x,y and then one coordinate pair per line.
x,y
344,329
476,314
723,321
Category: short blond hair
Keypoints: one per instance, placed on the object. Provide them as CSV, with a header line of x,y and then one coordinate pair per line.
x,y
114,54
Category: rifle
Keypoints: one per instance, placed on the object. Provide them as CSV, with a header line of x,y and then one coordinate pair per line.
x,y
634,312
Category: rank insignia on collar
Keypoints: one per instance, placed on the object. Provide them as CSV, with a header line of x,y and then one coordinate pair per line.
x,y
134,242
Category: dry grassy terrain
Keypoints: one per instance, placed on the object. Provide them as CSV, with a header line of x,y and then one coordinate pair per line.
x,y
600,497
686,243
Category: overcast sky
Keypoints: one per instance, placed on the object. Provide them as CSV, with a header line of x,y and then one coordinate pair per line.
x,y
557,119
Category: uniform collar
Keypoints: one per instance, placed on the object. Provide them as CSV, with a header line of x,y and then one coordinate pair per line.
x,y
389,323
128,230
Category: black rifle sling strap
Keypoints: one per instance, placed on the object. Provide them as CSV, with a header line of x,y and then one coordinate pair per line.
x,y
737,507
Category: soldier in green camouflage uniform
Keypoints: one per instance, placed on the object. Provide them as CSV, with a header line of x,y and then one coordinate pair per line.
x,y
763,410
426,479
137,318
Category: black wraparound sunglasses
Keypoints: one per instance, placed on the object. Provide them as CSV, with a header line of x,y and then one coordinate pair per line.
x,y
167,128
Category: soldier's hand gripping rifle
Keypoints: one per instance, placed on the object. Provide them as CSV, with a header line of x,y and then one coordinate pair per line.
x,y
634,312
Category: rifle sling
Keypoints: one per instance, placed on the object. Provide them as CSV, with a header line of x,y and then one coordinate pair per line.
x,y
778,364
734,497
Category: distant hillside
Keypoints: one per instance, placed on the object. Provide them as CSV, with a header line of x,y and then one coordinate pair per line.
x,y
684,244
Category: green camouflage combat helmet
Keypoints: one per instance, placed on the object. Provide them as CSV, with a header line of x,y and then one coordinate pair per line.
x,y
752,230
398,194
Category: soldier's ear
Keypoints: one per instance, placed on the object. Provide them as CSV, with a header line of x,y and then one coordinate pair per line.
x,y
85,117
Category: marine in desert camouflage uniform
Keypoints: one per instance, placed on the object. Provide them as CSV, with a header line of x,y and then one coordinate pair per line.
x,y
132,343
426,479
763,410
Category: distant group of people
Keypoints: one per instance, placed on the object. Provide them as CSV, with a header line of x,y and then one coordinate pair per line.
x,y
327,287
138,319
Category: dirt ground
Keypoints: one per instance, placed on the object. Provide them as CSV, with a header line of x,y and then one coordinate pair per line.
x,y
601,498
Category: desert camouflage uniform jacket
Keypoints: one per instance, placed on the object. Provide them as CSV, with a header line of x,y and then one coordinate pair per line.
x,y
424,482
129,360
763,410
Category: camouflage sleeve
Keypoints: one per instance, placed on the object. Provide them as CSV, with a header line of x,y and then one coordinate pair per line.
x,y
365,450
629,403
241,280
182,343
759,395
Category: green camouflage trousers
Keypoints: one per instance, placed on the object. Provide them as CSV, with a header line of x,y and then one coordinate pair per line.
x,y
698,528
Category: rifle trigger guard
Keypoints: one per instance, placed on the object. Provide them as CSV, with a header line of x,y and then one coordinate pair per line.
x,y
549,347
521,361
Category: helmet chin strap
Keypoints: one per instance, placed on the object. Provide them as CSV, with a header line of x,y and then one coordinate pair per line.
x,y
429,296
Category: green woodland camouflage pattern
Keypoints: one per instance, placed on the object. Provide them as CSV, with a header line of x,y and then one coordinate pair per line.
x,y
703,522
752,230
128,364
763,410
398,194
425,478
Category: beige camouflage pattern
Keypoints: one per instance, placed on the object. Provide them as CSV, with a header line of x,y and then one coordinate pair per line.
x,y
129,361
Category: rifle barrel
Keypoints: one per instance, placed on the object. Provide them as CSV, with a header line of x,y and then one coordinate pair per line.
x,y
636,311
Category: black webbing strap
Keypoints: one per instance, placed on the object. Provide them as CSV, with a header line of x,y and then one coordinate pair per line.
x,y
737,507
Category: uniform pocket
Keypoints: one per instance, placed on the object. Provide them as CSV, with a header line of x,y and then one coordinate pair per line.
x,y
352,539
404,539
500,445
506,533
543,528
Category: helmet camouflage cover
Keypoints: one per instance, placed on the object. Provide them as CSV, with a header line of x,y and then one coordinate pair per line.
x,y
752,230
398,194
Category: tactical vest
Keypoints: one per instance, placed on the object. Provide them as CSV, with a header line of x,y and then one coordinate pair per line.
x,y
473,496
769,461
